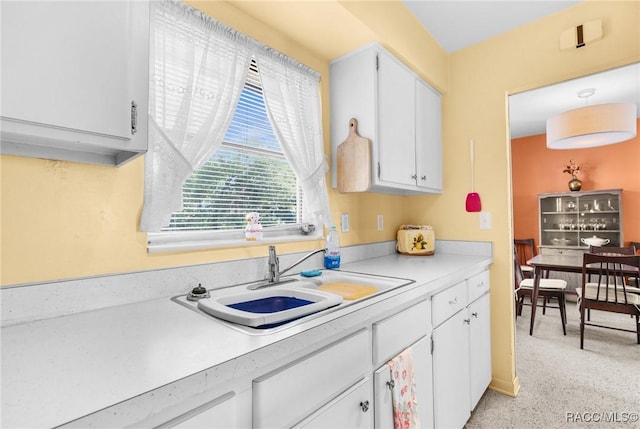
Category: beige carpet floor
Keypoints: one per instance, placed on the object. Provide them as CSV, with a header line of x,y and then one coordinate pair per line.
x,y
563,386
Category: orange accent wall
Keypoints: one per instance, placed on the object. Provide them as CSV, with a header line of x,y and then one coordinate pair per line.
x,y
536,169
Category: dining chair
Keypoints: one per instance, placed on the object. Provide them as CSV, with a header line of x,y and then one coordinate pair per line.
x,y
525,249
548,288
608,290
636,245
609,250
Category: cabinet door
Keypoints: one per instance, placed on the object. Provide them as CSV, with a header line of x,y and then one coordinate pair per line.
x,y
428,138
451,372
71,70
383,417
352,409
396,121
480,347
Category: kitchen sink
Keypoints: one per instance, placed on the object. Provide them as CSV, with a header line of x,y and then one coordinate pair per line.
x,y
267,308
262,308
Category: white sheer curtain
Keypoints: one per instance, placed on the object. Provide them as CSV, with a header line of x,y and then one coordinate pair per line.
x,y
197,71
292,97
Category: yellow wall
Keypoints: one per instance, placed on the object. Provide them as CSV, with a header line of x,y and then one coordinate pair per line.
x,y
65,220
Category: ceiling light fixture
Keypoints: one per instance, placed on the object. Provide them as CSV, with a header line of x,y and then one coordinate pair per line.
x,y
592,126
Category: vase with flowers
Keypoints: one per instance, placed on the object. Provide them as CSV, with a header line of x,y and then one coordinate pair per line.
x,y
572,168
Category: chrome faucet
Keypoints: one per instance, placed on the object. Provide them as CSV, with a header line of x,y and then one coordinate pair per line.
x,y
273,276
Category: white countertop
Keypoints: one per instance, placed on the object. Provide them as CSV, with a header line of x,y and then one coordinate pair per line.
x,y
59,369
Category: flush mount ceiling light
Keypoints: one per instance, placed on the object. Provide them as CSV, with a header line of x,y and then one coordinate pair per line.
x,y
592,126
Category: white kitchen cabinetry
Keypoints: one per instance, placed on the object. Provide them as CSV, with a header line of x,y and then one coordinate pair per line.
x,y
410,328
383,386
461,350
397,111
75,80
428,138
479,347
308,391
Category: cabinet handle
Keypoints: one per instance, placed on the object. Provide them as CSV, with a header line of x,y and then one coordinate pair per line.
x,y
134,117
414,176
467,321
475,314
364,406
423,178
453,301
391,384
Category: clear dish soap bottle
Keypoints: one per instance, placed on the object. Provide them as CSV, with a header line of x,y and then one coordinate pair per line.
x,y
332,255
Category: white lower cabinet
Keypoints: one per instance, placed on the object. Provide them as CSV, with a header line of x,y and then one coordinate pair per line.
x,y
383,387
461,350
451,372
409,328
297,391
479,347
349,410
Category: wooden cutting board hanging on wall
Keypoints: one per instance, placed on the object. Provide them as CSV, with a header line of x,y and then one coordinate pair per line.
x,y
354,161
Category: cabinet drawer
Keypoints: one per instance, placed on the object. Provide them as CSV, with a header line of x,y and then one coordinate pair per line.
x,y
287,395
478,285
352,409
396,333
448,302
557,251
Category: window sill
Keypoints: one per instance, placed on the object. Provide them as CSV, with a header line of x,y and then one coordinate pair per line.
x,y
171,242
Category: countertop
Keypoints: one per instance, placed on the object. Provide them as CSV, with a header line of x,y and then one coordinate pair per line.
x,y
59,369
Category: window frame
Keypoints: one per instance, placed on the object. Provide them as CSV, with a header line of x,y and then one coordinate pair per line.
x,y
176,240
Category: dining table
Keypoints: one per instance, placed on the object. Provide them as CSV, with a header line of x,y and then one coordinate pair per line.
x,y
542,264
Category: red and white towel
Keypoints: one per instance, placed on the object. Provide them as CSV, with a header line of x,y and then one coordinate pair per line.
x,y
403,395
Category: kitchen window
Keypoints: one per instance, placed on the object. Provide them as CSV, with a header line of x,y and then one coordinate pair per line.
x,y
235,127
248,173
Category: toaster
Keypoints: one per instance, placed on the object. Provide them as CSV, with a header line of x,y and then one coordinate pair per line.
x,y
415,240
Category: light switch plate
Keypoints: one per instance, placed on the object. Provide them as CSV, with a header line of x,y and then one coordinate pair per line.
x,y
380,220
485,220
344,222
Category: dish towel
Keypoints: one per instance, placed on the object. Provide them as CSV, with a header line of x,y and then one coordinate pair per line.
x,y
403,393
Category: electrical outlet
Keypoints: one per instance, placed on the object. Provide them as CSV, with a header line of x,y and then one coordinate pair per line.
x,y
485,220
380,219
344,222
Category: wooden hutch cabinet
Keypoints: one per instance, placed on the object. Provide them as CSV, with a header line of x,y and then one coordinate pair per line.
x,y
567,218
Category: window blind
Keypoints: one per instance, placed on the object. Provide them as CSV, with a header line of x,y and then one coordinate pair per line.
x,y
248,173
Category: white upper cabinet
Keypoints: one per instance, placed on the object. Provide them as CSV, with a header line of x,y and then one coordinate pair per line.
x,y
75,80
396,131
428,138
397,111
